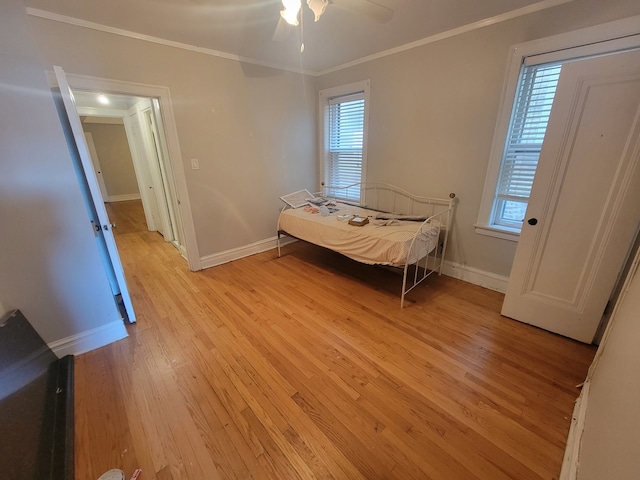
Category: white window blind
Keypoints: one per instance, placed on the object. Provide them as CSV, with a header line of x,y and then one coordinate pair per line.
x,y
345,141
529,119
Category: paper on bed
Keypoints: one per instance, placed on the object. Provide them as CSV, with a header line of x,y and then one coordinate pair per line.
x,y
297,199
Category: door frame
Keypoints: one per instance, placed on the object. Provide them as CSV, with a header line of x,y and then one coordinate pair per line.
x,y
183,208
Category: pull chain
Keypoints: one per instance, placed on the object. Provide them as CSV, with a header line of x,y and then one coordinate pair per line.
x,y
302,31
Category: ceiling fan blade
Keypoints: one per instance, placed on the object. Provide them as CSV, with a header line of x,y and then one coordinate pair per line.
x,y
282,31
366,8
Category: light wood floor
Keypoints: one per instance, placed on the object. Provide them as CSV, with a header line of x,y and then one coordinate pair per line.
x,y
305,367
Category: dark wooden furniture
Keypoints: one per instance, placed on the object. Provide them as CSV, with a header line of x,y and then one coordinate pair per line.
x,y
36,405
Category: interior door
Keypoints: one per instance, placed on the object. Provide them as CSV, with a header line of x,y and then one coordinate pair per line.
x,y
96,164
142,166
158,174
584,207
101,222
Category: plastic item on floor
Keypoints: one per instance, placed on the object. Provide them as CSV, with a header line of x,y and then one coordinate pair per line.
x,y
114,474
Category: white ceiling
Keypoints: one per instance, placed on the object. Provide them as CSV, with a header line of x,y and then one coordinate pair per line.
x,y
244,28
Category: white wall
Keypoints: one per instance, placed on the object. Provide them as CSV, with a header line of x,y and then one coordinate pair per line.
x,y
251,128
434,108
611,436
50,267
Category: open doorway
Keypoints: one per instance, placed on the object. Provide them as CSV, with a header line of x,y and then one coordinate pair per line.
x,y
126,140
179,202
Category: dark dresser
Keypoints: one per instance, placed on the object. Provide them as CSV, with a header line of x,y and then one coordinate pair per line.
x,y
36,405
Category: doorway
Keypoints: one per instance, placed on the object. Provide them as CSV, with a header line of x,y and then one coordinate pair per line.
x,y
180,205
130,156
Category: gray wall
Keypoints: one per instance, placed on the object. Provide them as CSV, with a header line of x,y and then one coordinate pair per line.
x,y
50,267
433,112
251,128
113,152
434,109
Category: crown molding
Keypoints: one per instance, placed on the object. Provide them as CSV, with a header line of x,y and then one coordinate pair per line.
x,y
503,17
536,7
36,12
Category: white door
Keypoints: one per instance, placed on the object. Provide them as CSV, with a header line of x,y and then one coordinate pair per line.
x,y
584,207
96,200
143,173
96,164
158,130
158,175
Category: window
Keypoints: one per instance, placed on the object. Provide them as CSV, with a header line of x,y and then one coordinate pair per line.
x,y
532,107
532,77
344,136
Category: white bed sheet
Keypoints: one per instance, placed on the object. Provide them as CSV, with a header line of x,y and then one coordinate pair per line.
x,y
370,244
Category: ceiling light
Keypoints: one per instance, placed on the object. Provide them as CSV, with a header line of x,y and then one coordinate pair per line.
x,y
291,11
103,99
318,7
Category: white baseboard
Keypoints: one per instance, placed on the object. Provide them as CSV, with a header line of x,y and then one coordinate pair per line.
x,y
489,280
482,278
241,252
89,340
123,198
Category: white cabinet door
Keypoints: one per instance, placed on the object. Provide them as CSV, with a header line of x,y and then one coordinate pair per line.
x,y
585,203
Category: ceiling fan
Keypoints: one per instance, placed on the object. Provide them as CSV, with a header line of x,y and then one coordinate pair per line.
x,y
289,15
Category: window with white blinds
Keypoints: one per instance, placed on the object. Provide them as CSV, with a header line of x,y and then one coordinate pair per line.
x,y
345,141
532,107
530,87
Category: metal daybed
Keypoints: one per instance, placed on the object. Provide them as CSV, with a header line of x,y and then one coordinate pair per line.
x,y
401,229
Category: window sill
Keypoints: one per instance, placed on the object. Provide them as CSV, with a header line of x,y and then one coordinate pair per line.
x,y
505,233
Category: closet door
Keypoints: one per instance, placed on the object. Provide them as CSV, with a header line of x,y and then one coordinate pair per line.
x,y
584,207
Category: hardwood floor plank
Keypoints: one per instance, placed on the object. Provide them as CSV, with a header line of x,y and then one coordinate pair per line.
x,y
305,367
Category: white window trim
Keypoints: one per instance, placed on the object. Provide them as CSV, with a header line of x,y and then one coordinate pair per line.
x,y
323,123
587,41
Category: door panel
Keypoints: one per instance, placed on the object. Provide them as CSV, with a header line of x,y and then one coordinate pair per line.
x,y
141,165
96,199
586,198
96,164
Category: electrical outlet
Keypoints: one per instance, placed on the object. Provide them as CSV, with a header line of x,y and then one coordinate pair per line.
x,y
195,164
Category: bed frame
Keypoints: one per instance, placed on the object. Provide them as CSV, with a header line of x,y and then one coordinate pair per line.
x,y
390,199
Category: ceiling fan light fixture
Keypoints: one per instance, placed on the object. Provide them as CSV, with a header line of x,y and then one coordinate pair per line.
x,y
317,7
291,11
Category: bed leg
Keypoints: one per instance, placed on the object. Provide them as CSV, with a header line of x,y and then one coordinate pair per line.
x,y
278,242
404,285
